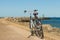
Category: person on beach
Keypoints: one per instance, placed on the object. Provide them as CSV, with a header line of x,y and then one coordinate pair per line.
x,y
35,25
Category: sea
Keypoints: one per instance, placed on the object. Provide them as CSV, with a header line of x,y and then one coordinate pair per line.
x,y
53,21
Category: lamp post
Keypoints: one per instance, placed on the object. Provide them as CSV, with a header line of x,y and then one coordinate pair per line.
x,y
34,12
25,11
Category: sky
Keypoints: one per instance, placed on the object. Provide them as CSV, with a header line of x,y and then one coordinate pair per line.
x,y
15,8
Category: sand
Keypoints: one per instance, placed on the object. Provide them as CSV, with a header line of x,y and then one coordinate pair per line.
x,y
12,32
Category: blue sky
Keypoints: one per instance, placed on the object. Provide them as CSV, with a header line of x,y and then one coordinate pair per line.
x,y
50,8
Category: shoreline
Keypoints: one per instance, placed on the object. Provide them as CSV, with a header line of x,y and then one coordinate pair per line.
x,y
26,20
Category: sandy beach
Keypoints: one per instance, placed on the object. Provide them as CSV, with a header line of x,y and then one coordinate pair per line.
x,y
13,31
8,31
